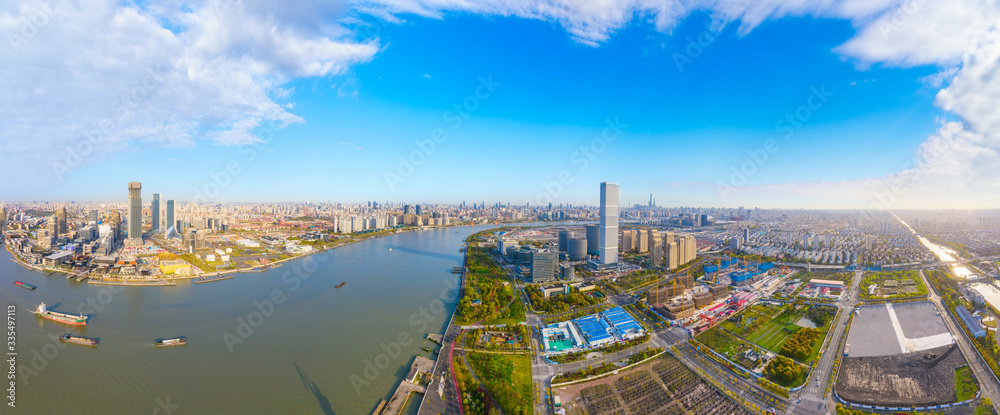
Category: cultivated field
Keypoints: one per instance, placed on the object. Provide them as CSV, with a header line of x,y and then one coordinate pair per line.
x,y
664,386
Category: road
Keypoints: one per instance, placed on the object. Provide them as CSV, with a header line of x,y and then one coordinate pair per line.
x,y
812,399
987,381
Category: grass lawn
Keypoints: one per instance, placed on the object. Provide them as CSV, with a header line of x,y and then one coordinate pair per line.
x,y
965,385
507,377
773,333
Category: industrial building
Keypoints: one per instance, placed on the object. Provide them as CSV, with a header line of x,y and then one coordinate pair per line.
x,y
973,323
593,331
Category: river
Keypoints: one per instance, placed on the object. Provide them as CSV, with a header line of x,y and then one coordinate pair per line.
x,y
307,347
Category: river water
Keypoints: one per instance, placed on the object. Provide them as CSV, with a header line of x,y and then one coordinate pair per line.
x,y
309,349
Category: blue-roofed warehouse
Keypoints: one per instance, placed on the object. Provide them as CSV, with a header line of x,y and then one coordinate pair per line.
x,y
594,330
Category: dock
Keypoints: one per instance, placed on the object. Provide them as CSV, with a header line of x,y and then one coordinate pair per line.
x,y
142,283
436,338
456,270
210,279
412,384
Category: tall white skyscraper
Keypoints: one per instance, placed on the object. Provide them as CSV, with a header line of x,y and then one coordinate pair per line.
x,y
609,223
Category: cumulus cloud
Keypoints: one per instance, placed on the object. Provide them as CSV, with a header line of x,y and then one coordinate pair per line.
x,y
83,80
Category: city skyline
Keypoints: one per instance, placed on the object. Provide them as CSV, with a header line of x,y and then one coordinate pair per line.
x,y
862,106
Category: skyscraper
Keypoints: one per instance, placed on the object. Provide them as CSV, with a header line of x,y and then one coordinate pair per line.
x,y
593,239
93,216
61,227
155,225
609,223
134,213
171,229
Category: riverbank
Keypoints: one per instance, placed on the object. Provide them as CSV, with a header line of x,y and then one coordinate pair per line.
x,y
172,281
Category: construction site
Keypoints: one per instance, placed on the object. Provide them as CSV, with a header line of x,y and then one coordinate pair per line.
x,y
662,386
899,355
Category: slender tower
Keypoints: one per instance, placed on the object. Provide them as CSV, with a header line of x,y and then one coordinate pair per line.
x,y
134,214
155,208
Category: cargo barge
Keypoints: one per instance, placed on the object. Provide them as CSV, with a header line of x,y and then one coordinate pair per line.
x,y
72,319
83,341
25,285
176,341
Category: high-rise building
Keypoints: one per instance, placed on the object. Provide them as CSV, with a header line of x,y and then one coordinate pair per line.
x,y
593,239
155,208
608,216
93,217
418,212
543,266
171,228
642,241
61,227
564,237
134,213
116,227
628,240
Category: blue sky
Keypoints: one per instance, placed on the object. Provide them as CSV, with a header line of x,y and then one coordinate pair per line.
x,y
688,127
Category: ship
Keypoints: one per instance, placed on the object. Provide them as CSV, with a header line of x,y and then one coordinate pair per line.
x,y
83,341
341,284
25,285
176,341
73,319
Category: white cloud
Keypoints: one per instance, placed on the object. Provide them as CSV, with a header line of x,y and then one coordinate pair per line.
x,y
166,75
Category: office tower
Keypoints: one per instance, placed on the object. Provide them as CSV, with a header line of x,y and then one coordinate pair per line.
x,y
116,227
155,208
418,210
93,216
564,237
61,227
406,209
171,229
609,224
543,266
746,234
593,239
134,213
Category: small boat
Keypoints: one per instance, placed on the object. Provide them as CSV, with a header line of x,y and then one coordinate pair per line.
x,y
83,341
176,341
73,319
341,284
25,285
